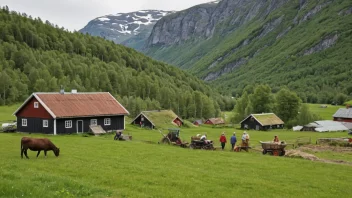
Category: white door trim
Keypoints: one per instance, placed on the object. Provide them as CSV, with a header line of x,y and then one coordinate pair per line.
x,y
77,126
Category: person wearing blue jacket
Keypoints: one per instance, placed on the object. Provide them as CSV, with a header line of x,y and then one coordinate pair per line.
x,y
233,140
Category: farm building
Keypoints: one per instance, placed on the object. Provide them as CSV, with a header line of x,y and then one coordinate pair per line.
x,y
326,126
263,121
157,119
66,113
198,122
214,121
343,115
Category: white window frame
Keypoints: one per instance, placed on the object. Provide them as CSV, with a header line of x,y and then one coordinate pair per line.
x,y
107,121
68,124
45,123
92,122
36,105
24,122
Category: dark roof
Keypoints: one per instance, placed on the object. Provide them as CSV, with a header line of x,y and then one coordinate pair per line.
x,y
343,113
78,104
198,121
266,119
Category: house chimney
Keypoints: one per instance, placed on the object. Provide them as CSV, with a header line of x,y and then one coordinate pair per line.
x,y
74,91
62,90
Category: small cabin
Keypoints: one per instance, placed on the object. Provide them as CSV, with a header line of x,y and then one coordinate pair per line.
x,y
263,122
157,119
214,121
198,122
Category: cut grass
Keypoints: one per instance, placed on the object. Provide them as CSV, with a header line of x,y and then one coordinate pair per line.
x,y
101,167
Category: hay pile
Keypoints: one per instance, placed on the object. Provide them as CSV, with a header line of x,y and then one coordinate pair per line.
x,y
301,154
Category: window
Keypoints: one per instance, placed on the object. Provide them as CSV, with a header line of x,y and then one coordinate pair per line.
x,y
24,122
93,122
68,124
36,105
45,123
107,121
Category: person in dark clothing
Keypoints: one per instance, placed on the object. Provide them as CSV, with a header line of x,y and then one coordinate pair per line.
x,y
118,135
233,140
223,140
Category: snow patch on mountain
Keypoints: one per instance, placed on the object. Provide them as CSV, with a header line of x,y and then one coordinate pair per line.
x,y
103,19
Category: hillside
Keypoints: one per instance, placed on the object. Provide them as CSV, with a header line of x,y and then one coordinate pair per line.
x,y
130,29
302,44
37,57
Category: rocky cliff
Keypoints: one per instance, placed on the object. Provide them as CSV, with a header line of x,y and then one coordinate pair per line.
x,y
233,43
201,21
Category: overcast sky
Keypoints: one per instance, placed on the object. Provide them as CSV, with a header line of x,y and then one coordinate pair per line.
x,y
75,14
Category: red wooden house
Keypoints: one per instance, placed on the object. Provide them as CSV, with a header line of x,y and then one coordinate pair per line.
x,y
214,121
66,113
343,115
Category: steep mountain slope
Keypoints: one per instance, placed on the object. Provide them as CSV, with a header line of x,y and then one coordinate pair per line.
x,y
301,44
36,57
130,29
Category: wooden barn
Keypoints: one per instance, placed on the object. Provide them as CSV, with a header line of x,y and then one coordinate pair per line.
x,y
263,122
343,115
215,121
198,122
157,119
66,113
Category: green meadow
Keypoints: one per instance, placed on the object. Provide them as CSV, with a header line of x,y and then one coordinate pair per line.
x,y
6,113
324,113
101,167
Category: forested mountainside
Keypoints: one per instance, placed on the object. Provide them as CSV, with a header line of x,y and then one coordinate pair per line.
x,y
305,45
130,29
37,57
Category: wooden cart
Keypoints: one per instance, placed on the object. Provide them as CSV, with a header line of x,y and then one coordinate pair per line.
x,y
273,148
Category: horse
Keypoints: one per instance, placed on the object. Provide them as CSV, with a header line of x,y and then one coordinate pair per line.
x,y
38,144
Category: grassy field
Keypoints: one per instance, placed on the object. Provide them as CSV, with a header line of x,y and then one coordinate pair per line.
x,y
6,113
101,167
325,113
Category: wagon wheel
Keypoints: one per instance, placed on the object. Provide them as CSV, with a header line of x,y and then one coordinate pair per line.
x,y
205,148
191,146
282,153
264,152
165,140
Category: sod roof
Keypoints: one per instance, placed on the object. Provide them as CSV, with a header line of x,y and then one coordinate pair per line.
x,y
162,118
266,119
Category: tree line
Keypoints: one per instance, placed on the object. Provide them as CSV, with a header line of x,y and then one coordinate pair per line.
x,y
286,104
37,56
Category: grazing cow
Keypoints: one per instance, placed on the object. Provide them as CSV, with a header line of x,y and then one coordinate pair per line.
x,y
38,144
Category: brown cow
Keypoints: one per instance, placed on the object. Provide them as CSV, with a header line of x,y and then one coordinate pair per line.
x,y
38,144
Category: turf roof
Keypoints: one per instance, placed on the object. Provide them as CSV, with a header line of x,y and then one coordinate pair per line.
x,y
161,119
268,119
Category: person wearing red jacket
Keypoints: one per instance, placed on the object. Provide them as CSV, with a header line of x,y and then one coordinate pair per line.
x,y
223,140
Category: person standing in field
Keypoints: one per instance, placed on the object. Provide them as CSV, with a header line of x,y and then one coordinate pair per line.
x,y
247,139
233,140
223,140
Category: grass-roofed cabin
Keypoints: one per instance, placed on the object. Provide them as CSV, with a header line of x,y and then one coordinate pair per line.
x,y
265,121
158,119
